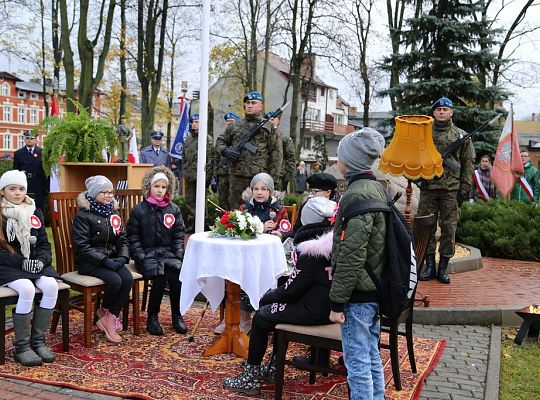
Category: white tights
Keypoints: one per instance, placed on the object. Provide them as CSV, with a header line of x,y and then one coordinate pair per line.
x,y
26,290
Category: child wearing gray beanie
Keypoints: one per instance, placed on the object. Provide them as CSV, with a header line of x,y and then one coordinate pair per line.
x,y
359,150
96,184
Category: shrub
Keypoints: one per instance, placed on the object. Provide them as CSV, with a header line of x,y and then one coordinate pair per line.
x,y
211,213
291,198
5,165
505,229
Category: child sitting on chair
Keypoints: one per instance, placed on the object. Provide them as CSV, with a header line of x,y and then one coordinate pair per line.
x,y
101,250
25,263
156,242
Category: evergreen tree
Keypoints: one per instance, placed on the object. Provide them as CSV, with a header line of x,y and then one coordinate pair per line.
x,y
447,48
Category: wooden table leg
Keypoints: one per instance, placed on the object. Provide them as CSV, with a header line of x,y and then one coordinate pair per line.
x,y
231,340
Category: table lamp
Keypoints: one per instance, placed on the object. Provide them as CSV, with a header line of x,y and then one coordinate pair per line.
x,y
412,154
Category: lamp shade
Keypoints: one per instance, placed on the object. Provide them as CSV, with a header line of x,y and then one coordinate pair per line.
x,y
412,153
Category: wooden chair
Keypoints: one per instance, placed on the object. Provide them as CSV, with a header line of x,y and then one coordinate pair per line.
x,y
329,336
293,213
66,205
9,297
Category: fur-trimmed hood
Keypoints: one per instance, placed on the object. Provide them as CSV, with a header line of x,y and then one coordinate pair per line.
x,y
84,204
145,186
247,196
320,246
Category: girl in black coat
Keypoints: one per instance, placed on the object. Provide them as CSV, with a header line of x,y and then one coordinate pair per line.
x,y
156,242
101,250
25,263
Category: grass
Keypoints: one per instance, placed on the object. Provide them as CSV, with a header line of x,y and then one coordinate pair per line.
x,y
520,368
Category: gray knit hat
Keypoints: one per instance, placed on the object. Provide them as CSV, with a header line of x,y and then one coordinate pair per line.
x,y
359,150
96,184
264,178
317,209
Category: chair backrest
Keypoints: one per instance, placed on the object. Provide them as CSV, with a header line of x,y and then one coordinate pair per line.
x,y
65,204
421,232
127,199
293,213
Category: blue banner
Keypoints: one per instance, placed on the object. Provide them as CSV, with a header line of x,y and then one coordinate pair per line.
x,y
177,148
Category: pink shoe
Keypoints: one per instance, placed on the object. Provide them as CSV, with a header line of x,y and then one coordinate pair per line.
x,y
107,324
101,312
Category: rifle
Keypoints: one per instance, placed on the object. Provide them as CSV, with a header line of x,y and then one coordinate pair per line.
x,y
456,144
245,140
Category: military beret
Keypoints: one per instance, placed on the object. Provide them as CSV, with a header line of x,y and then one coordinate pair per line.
x,y
194,117
30,134
322,181
231,115
443,102
253,96
157,135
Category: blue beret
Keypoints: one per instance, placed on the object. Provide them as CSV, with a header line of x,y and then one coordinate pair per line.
x,y
253,96
443,102
157,135
231,115
30,134
194,117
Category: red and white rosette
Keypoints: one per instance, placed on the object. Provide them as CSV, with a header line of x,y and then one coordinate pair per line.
x,y
285,225
35,222
116,223
168,220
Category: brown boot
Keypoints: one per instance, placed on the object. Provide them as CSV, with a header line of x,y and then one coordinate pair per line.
x,y
108,324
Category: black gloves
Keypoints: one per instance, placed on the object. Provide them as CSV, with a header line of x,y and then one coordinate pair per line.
x,y
231,155
32,266
121,261
114,264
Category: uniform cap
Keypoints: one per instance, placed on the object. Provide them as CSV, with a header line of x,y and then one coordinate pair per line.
x,y
30,134
443,102
194,117
157,135
231,115
253,96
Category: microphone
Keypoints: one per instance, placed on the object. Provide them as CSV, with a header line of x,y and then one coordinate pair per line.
x,y
272,218
32,240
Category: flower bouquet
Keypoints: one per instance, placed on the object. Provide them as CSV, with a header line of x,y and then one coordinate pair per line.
x,y
237,223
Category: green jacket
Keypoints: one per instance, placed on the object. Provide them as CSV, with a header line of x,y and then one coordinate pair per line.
x,y
189,159
363,243
531,176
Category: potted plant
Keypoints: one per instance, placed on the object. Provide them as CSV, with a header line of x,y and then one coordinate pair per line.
x,y
77,138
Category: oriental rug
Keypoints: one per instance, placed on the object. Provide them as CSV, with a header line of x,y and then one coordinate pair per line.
x,y
169,367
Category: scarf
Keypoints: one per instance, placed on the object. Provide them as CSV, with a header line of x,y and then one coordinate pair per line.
x,y
157,202
485,177
104,210
18,222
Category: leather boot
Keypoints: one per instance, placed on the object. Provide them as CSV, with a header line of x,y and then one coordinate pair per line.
x,y
429,271
23,353
178,324
152,325
40,324
442,273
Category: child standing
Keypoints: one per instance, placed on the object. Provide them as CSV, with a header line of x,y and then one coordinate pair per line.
x,y
156,242
101,250
25,263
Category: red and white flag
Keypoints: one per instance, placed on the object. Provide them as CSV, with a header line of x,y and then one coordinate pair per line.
x,y
133,154
507,158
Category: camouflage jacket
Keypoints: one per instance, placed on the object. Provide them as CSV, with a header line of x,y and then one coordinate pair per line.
x,y
268,156
189,159
453,180
289,158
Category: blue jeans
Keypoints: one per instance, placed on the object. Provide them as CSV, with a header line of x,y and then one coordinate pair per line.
x,y
360,338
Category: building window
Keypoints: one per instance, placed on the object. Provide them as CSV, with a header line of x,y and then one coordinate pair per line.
x,y
33,96
322,92
339,119
6,141
5,89
331,93
307,143
20,141
21,94
21,116
7,114
34,117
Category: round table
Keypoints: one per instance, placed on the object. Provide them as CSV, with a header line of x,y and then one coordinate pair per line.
x,y
252,265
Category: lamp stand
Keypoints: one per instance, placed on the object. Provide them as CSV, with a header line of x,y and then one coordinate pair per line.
x,y
408,208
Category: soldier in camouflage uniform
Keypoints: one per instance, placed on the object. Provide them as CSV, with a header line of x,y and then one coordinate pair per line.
x,y
189,168
264,154
444,195
288,165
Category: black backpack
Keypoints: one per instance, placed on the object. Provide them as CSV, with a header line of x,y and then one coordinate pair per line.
x,y
399,277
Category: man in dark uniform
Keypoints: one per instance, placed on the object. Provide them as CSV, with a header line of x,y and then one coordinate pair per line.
x,y
155,153
444,195
28,160
288,165
263,155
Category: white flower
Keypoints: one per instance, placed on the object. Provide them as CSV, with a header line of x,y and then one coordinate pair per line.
x,y
257,225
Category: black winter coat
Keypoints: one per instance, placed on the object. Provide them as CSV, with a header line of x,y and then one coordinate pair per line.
x,y
153,241
95,239
11,263
309,284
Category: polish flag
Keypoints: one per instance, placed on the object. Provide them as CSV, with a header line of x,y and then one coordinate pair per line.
x,y
507,158
133,153
55,111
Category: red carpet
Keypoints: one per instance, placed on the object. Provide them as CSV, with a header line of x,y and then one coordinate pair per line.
x,y
169,367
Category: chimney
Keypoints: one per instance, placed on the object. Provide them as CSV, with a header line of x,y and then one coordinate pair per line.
x,y
307,70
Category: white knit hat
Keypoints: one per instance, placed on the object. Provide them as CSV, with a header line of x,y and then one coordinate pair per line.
x,y
13,177
96,184
317,209
157,177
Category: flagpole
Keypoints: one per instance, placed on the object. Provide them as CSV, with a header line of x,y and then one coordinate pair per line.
x,y
203,119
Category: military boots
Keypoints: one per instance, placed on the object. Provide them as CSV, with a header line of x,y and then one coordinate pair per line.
x,y
442,273
429,271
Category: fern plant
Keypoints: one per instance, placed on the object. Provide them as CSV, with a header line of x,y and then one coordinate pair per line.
x,y
76,138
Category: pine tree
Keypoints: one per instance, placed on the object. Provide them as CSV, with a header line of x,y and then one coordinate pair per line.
x,y
447,48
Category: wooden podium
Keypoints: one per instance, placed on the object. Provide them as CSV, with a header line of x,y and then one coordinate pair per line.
x,y
73,174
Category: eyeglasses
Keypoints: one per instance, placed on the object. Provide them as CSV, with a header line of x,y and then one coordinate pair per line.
x,y
107,193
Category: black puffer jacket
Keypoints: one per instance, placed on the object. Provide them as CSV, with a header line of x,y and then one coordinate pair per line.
x,y
309,283
94,237
11,263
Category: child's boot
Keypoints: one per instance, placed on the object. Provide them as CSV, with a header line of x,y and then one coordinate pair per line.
x,y
152,325
108,325
248,382
23,353
40,324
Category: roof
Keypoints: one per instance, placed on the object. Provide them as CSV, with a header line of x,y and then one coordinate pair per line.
x,y
32,87
7,75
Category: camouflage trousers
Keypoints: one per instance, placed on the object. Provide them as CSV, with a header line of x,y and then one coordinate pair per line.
x,y
191,193
237,184
443,204
223,191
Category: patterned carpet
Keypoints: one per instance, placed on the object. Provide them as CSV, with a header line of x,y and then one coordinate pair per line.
x,y
169,367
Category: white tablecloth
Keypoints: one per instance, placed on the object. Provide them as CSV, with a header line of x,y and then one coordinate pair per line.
x,y
253,264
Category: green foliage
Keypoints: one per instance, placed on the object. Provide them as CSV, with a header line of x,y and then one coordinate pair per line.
x,y
211,212
502,228
320,150
5,165
77,137
291,198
